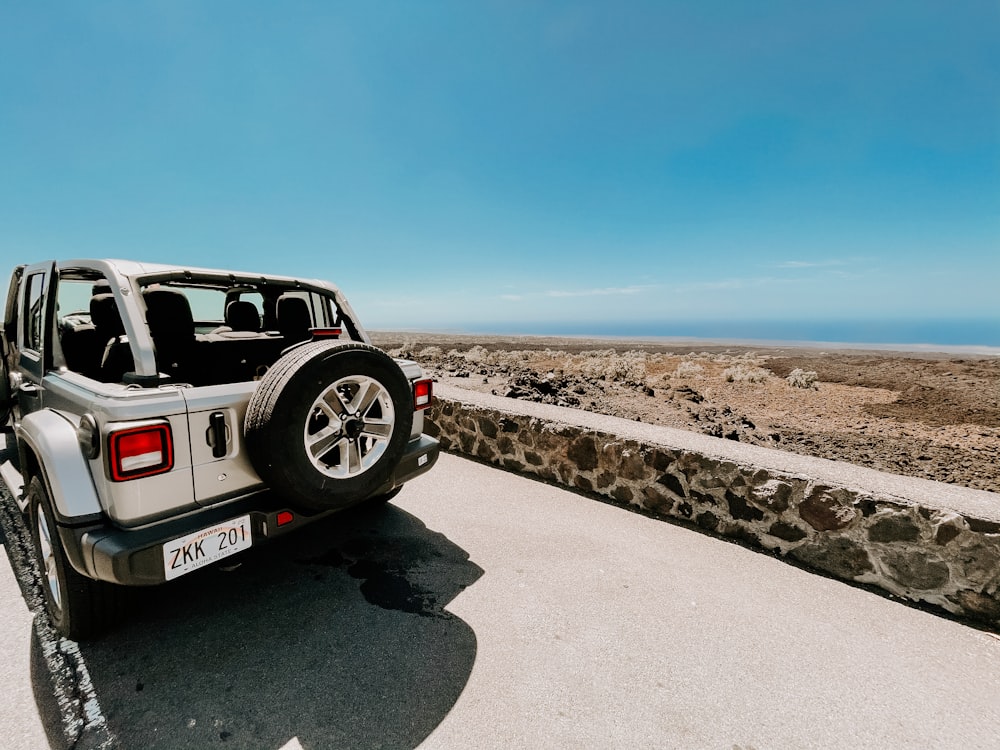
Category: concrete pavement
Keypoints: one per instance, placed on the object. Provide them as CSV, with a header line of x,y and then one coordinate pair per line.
x,y
598,627
22,726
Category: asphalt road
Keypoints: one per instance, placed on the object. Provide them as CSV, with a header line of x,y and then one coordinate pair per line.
x,y
486,610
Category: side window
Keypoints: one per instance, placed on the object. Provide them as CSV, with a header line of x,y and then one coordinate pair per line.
x,y
319,306
73,297
208,306
34,312
321,310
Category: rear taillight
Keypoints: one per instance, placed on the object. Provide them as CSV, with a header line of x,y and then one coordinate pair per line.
x,y
140,452
325,333
423,391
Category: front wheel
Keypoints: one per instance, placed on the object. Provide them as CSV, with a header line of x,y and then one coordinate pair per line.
x,y
80,608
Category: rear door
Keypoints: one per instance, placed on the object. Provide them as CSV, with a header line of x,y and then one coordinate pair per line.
x,y
218,456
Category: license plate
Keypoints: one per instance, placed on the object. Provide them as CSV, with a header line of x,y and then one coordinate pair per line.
x,y
204,547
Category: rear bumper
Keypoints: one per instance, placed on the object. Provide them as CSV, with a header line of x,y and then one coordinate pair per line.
x,y
421,454
134,557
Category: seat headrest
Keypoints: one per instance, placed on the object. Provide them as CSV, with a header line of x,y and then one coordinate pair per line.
x,y
168,314
294,319
242,316
105,316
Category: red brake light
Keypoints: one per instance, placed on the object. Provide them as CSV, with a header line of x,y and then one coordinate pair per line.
x,y
140,452
284,517
422,394
325,333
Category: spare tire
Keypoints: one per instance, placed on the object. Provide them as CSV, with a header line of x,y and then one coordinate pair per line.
x,y
328,423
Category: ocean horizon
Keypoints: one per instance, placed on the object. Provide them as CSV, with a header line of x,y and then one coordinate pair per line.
x,y
978,335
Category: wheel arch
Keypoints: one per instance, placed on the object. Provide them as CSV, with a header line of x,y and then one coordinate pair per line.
x,y
63,470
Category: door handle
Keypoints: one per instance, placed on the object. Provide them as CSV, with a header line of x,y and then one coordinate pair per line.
x,y
217,434
30,388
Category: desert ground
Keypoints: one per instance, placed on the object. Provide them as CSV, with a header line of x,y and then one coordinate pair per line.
x,y
929,415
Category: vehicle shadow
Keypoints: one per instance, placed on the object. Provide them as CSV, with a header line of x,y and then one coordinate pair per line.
x,y
336,636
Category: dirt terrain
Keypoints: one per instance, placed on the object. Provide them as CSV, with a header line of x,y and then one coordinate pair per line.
x,y
935,416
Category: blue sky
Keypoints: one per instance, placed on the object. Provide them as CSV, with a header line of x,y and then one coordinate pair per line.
x,y
521,165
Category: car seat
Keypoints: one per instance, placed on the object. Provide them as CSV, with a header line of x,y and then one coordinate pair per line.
x,y
294,319
171,326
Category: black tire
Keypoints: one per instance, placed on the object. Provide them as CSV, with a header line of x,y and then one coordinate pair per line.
x,y
79,608
328,424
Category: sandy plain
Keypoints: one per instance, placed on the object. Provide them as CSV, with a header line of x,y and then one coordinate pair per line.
x,y
934,415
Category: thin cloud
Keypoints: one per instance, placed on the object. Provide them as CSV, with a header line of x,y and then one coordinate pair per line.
x,y
603,292
852,275
730,284
512,297
809,263
718,285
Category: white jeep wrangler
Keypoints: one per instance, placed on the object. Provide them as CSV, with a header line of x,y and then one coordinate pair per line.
x,y
168,417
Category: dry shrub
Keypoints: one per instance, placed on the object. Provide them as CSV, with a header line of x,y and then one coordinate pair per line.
x,y
800,378
509,359
743,374
593,363
477,354
501,358
431,353
688,369
630,367
404,350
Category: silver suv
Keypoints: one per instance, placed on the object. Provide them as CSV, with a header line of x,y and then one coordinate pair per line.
x,y
167,417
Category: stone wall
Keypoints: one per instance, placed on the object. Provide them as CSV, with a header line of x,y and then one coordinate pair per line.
x,y
920,540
